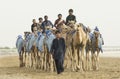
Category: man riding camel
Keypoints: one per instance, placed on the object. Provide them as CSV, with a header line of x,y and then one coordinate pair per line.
x,y
101,41
59,21
70,17
97,30
46,23
34,24
40,22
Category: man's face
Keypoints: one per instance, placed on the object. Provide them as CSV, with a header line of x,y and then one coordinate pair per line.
x,y
46,18
70,13
35,29
40,20
60,16
34,21
58,35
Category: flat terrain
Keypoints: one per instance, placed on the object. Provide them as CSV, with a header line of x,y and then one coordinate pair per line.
x,y
9,69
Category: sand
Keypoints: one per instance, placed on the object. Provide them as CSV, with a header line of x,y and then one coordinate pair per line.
x,y
9,69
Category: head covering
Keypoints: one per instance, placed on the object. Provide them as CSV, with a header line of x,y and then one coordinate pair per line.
x,y
96,29
19,36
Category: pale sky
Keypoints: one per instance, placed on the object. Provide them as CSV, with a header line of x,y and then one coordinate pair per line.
x,y
16,16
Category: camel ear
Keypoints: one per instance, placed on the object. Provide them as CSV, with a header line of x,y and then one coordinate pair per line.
x,y
78,25
25,32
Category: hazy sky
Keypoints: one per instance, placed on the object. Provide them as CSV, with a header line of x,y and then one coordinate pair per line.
x,y
16,16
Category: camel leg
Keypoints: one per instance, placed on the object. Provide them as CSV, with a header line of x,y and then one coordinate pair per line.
x,y
30,59
23,55
78,58
20,59
37,60
45,61
87,58
80,62
51,63
92,57
45,58
65,62
82,58
97,61
94,61
74,60
66,59
34,59
89,61
27,60
71,58
42,61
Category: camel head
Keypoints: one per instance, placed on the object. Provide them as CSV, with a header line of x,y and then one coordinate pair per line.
x,y
26,34
64,28
96,34
78,27
48,27
71,24
53,30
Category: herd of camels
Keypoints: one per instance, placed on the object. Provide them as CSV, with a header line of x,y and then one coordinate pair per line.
x,y
82,51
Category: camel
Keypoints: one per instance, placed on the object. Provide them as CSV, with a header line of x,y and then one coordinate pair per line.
x,y
20,48
32,52
79,41
67,33
96,47
88,49
31,48
26,39
48,43
39,55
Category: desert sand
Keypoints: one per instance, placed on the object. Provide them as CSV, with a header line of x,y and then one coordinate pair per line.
x,y
9,69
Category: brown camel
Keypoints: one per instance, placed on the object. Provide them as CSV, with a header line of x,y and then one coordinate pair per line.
x,y
79,41
95,51
88,49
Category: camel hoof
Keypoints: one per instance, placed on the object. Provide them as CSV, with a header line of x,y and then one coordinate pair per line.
x,y
21,65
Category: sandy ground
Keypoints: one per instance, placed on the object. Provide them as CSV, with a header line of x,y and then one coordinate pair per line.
x,y
9,69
